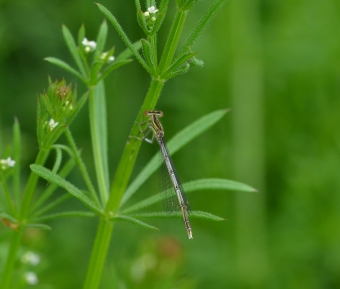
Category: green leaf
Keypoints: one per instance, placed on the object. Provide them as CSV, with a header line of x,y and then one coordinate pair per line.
x,y
65,66
122,34
147,50
81,35
58,159
177,142
101,39
65,215
178,63
203,184
127,52
55,179
203,23
17,158
112,67
73,49
81,166
134,221
99,138
39,226
217,184
141,21
160,17
193,214
51,205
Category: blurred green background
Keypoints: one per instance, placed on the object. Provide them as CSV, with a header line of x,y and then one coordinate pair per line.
x,y
276,64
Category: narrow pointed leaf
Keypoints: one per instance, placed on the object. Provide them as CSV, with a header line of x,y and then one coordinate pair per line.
x,y
112,67
56,179
71,44
39,226
101,39
135,221
177,142
80,104
58,159
122,34
65,66
51,205
81,35
141,21
178,63
127,52
147,50
193,214
203,23
65,215
198,185
99,139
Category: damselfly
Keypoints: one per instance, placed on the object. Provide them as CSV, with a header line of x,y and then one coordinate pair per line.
x,y
155,126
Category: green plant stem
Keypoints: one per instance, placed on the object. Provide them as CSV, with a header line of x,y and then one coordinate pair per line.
x,y
130,153
11,258
118,187
81,166
16,235
172,41
8,199
30,187
98,153
98,256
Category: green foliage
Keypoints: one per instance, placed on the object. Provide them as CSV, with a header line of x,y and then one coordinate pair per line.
x,y
59,106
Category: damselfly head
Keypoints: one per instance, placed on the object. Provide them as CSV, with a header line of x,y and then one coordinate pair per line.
x,y
157,113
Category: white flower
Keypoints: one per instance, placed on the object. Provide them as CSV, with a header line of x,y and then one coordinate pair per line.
x,y
152,10
52,124
89,45
30,258
7,163
104,54
31,278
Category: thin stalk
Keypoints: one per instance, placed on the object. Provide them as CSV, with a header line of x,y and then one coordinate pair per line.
x,y
131,149
16,235
81,166
98,256
11,258
30,187
96,147
8,199
118,187
172,41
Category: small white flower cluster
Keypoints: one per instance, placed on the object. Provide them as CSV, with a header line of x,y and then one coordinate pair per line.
x,y
7,163
151,10
31,278
104,54
31,259
89,45
52,124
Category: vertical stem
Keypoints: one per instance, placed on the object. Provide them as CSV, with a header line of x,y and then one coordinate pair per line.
x,y
16,235
131,149
97,108
248,105
11,259
30,187
172,41
98,256
119,184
